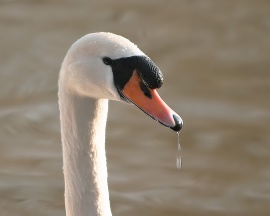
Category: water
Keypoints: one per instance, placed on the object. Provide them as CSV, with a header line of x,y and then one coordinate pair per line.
x,y
178,161
215,60
178,158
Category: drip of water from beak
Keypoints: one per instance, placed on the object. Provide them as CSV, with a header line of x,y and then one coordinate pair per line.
x,y
178,157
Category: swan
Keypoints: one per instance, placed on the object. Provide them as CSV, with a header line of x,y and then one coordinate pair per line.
x,y
100,67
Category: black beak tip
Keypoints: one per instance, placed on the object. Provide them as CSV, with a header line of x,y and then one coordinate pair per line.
x,y
178,123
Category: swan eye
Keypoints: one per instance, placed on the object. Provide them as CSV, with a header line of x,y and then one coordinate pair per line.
x,y
107,61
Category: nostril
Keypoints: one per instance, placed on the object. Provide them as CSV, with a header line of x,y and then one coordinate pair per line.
x,y
145,90
178,123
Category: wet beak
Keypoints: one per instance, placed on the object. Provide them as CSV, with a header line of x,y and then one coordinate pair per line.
x,y
151,103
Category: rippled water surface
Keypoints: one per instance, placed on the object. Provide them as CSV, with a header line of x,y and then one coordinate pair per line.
x,y
215,56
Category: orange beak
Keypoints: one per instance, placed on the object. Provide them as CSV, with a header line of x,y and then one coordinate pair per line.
x,y
152,105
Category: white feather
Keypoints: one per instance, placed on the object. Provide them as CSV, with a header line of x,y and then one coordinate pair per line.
x,y
85,85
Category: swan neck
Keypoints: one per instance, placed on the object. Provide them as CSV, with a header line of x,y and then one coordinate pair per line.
x,y
83,123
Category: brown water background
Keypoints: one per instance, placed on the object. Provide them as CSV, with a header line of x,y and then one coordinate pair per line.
x,y
215,56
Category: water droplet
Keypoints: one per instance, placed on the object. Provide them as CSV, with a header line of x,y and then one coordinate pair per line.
x,y
178,162
178,158
178,142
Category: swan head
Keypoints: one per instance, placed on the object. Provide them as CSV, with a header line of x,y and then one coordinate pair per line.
x,y
105,65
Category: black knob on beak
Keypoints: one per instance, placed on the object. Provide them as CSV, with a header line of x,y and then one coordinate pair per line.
x,y
178,123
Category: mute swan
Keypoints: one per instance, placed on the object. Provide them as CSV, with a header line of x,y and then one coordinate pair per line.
x,y
98,67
